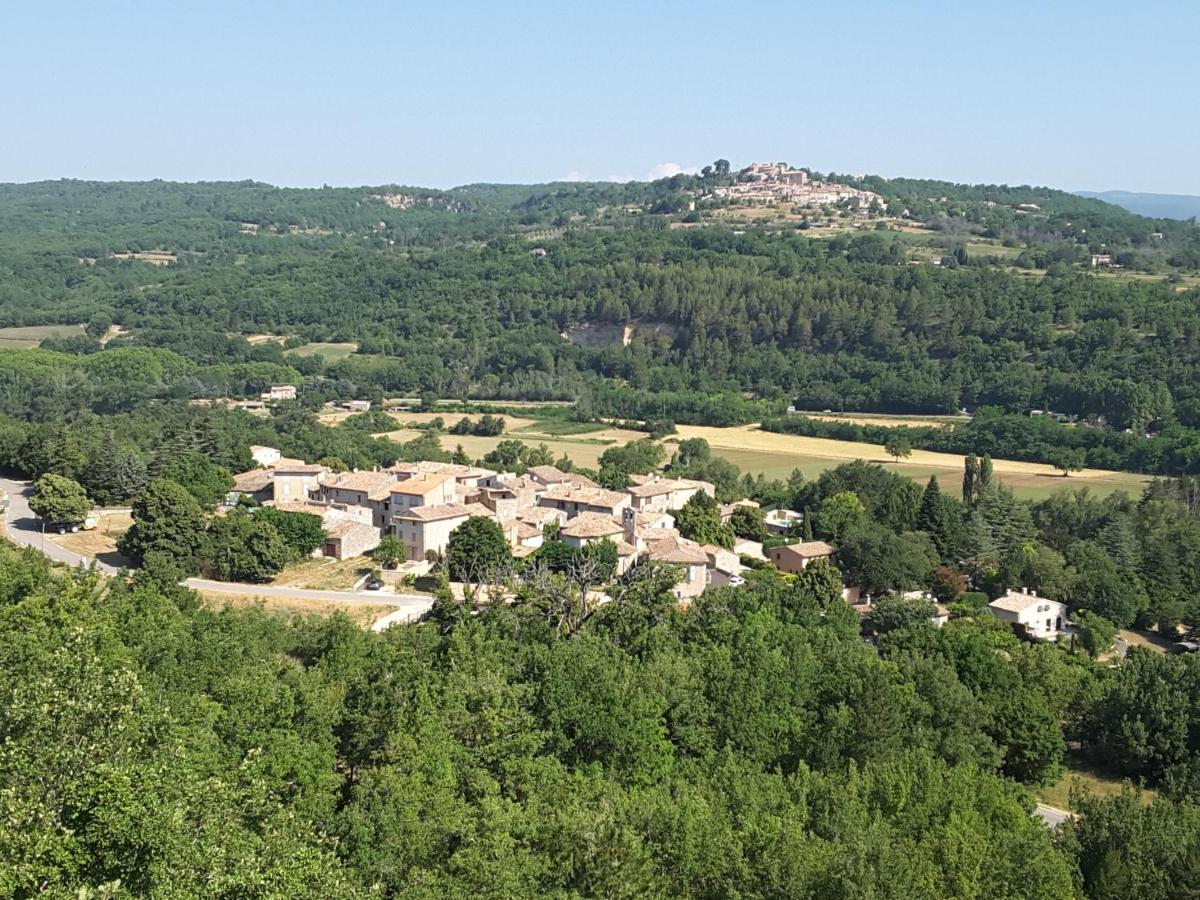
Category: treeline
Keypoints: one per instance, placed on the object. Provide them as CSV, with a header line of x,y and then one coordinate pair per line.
x,y
1173,451
754,744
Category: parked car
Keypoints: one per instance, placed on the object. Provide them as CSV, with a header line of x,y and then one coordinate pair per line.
x,y
373,584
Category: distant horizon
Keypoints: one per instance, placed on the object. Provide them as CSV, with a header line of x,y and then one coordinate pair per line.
x,y
1077,92
577,178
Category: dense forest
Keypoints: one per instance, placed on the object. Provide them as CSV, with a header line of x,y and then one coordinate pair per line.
x,y
754,746
454,294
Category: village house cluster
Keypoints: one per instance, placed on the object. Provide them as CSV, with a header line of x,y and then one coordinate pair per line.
x,y
422,503
778,183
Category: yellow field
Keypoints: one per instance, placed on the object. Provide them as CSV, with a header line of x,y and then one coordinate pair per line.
x,y
579,451
884,419
25,337
755,450
325,574
363,614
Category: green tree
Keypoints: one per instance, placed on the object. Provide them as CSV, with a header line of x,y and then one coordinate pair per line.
x,y
700,520
1068,460
199,476
390,551
478,551
898,445
970,482
839,515
1096,633
56,499
166,520
244,547
302,533
893,612
747,522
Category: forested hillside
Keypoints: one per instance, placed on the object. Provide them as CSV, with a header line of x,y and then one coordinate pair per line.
x,y
478,292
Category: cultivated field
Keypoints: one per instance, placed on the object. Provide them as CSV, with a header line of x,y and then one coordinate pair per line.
x,y
331,351
26,336
776,455
755,450
890,420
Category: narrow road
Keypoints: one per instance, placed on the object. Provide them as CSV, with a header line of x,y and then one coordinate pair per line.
x,y
23,528
1051,815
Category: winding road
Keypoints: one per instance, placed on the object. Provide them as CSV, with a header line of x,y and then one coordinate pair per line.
x,y
24,529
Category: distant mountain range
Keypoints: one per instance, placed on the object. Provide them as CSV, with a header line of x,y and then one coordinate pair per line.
x,y
1156,206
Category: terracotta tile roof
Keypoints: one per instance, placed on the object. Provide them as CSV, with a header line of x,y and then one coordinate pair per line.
x,y
445,511
429,467
539,515
252,481
591,525
346,528
296,467
420,485
590,496
807,549
676,550
376,485
661,486
299,506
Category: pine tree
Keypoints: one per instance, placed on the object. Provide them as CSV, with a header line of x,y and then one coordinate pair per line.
x,y
102,471
130,476
927,515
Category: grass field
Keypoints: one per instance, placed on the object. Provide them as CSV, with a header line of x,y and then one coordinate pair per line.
x,y
776,455
26,336
1059,793
331,351
101,540
362,614
581,454
563,427
325,574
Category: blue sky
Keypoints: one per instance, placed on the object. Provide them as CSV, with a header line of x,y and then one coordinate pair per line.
x,y
1074,94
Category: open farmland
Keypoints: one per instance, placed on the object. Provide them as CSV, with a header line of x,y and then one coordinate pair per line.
x,y
330,351
26,336
755,450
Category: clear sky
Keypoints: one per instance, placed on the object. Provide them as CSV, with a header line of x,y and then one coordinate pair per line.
x,y
1078,94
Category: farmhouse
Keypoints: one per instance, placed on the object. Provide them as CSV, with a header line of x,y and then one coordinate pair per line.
x,y
794,558
278,392
1036,616
657,494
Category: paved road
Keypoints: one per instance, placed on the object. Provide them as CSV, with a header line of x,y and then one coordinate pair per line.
x,y
1051,815
23,528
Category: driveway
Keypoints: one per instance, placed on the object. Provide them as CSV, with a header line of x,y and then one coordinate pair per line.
x,y
23,528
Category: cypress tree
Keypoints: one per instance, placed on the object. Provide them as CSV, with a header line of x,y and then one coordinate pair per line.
x,y
970,475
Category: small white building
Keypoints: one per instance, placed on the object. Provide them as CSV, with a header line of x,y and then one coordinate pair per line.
x,y
265,456
279,392
1039,617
